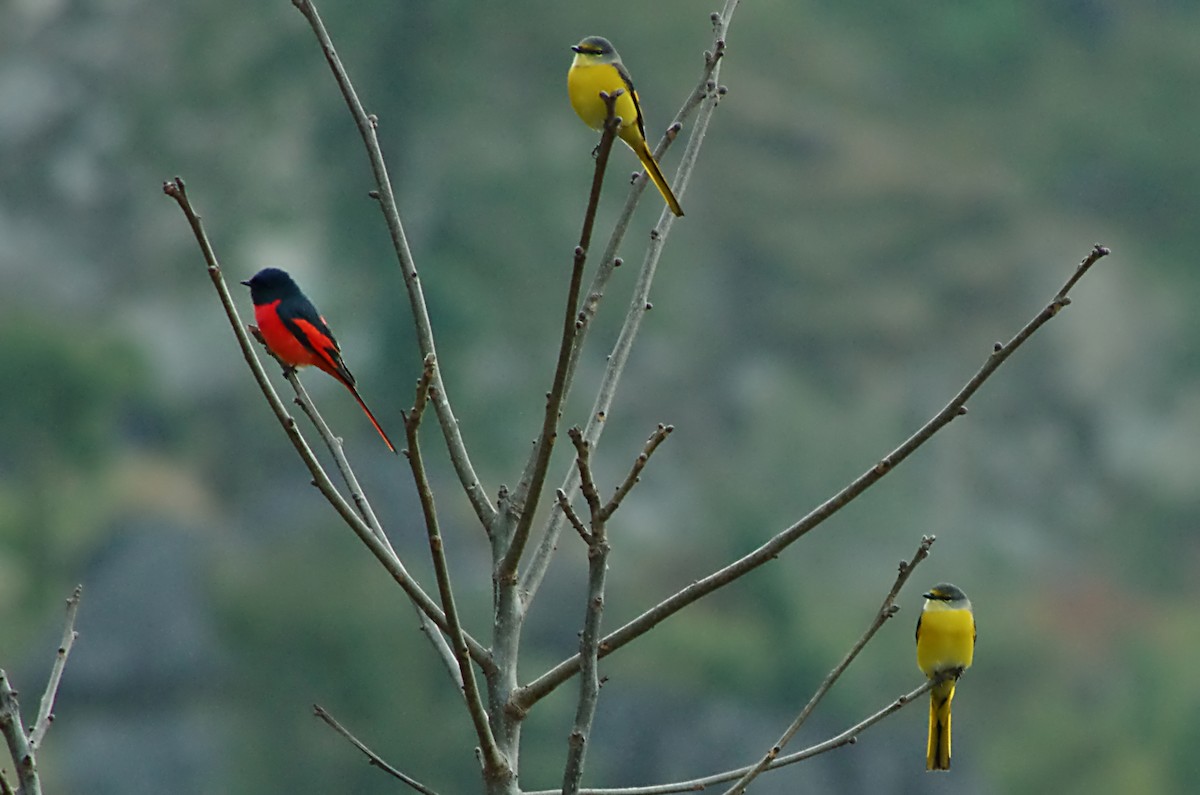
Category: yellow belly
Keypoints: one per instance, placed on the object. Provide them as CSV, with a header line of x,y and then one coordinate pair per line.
x,y
584,84
946,640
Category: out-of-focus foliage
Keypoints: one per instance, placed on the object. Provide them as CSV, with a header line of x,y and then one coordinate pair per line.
x,y
886,190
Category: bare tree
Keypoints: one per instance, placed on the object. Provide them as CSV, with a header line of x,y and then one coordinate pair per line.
x,y
485,669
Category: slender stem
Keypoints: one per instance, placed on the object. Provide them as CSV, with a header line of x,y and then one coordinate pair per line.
x,y
45,714
547,682
372,757
494,760
886,611
366,124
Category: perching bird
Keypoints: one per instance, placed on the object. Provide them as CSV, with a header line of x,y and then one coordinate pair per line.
x,y
597,67
296,333
945,643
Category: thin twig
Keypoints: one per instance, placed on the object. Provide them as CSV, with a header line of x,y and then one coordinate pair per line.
x,y
494,760
565,506
526,696
45,714
177,190
13,730
704,99
372,757
848,737
366,124
635,472
533,479
886,611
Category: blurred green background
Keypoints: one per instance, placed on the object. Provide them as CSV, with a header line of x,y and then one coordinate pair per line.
x,y
885,191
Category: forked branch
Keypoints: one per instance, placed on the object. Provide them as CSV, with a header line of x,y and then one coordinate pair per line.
x,y
22,746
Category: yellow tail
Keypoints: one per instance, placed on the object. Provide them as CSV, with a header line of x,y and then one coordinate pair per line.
x,y
638,145
937,753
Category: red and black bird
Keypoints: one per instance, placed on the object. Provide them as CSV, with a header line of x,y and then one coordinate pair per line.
x,y
297,334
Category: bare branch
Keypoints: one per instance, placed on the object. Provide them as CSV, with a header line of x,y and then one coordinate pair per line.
x,y
416,298
848,737
533,479
13,730
372,757
494,760
46,709
531,693
703,98
177,190
886,611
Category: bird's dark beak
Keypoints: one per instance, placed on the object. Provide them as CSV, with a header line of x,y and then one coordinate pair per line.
x,y
575,48
927,594
247,282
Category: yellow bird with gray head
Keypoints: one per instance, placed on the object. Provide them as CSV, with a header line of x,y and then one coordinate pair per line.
x,y
945,644
597,67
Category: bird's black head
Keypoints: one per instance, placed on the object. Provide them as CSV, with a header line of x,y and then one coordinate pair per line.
x,y
270,285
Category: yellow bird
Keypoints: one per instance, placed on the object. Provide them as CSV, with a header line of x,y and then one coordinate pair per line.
x,y
945,642
597,67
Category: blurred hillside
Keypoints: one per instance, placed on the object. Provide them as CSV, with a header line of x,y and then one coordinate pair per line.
x,y
885,191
